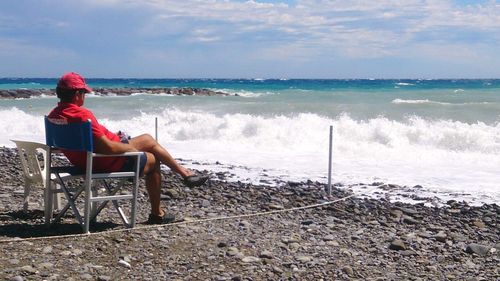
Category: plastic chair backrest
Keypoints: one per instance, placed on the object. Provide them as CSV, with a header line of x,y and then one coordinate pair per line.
x,y
32,166
69,136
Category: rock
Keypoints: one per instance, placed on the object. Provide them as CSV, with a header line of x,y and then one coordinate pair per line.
x,y
333,243
222,244
397,245
205,203
86,276
29,269
348,270
172,193
441,236
409,220
478,249
47,250
65,253
294,246
479,224
16,278
274,206
45,265
103,278
266,255
232,251
245,224
250,259
304,259
277,270
124,264
77,252
329,238
409,211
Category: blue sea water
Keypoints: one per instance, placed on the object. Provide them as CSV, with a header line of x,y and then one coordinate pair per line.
x,y
443,135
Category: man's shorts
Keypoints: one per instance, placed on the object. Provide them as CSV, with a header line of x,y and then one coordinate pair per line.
x,y
129,164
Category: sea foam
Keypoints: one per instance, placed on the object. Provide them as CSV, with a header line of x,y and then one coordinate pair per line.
x,y
443,155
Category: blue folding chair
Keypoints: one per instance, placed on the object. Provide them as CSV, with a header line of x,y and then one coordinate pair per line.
x,y
78,137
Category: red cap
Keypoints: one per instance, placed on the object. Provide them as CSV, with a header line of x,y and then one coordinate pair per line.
x,y
73,81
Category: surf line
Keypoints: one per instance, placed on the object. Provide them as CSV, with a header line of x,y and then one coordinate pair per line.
x,y
180,223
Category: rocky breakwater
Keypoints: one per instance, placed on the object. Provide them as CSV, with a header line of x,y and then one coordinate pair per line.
x,y
218,238
29,93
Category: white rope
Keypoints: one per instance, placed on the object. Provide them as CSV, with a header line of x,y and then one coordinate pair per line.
x,y
177,223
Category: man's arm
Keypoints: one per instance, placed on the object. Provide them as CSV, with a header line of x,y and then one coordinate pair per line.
x,y
105,146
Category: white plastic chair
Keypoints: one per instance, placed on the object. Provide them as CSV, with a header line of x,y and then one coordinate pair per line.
x,y
36,173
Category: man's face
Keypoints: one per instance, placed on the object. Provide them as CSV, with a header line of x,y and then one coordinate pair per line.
x,y
80,98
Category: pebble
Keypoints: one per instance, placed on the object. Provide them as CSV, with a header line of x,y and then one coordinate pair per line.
x,y
250,259
47,250
304,259
65,253
172,193
397,245
409,220
86,276
274,206
441,236
347,240
329,238
348,270
266,255
232,251
124,264
45,265
478,249
16,278
205,204
222,244
29,269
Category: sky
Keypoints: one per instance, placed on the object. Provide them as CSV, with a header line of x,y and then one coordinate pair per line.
x,y
332,39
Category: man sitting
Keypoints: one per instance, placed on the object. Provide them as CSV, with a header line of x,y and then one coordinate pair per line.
x,y
71,90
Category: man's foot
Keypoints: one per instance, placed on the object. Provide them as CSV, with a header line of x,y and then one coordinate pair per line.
x,y
166,218
195,180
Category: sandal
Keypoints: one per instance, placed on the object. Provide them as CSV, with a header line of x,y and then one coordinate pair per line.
x,y
195,180
166,218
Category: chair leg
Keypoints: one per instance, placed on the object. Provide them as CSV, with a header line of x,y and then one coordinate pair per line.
x,y
57,198
87,208
47,202
94,205
26,197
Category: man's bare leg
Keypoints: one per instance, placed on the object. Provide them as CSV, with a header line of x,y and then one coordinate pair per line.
x,y
153,183
148,144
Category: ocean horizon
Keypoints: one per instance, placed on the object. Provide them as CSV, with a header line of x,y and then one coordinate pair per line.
x,y
432,137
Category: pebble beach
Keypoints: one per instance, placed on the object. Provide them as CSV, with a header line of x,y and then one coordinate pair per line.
x,y
237,231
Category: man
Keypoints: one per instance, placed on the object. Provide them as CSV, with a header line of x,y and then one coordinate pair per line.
x,y
71,90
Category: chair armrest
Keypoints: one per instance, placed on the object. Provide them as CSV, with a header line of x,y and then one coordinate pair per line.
x,y
125,154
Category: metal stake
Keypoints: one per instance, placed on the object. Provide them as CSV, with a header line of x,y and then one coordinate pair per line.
x,y
329,187
156,129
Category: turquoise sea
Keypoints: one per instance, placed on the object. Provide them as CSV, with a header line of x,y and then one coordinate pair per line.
x,y
443,135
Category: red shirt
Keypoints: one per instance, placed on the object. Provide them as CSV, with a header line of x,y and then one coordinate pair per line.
x,y
73,113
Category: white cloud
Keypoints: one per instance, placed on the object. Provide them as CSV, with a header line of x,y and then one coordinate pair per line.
x,y
356,28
